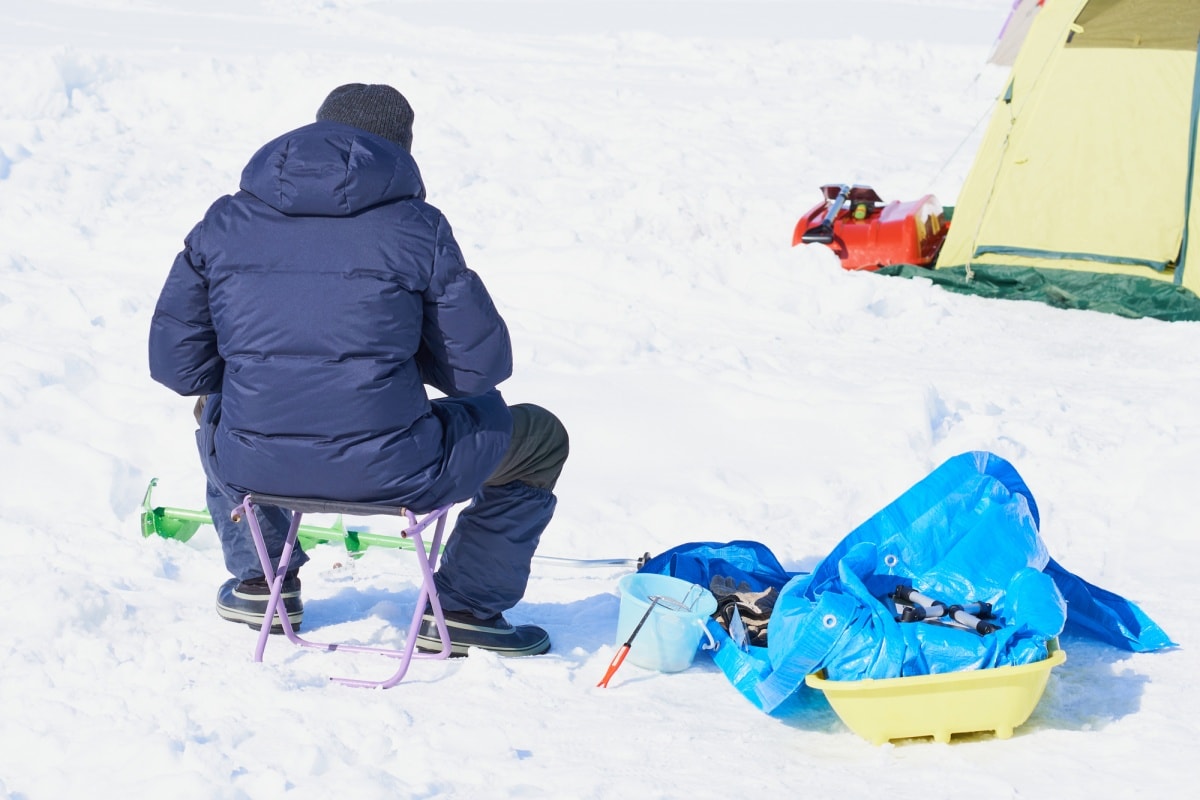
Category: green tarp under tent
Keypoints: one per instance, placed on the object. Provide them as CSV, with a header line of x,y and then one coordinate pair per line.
x,y
1083,193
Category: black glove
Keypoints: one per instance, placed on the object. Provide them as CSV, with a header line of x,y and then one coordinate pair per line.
x,y
753,607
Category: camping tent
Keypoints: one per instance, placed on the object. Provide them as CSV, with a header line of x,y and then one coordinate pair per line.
x,y
1084,189
1012,35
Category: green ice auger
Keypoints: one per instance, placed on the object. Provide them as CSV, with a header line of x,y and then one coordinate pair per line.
x,y
182,523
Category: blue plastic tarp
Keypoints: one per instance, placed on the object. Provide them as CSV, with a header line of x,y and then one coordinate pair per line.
x,y
968,532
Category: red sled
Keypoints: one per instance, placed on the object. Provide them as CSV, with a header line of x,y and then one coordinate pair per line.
x,y
867,233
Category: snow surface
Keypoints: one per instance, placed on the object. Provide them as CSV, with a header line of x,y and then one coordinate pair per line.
x,y
625,177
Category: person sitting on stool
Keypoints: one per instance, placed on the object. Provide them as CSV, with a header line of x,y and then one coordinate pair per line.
x,y
309,311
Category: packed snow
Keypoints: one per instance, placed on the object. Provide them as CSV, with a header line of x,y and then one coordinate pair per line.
x,y
625,178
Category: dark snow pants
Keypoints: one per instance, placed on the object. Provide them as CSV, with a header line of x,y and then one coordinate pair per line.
x,y
485,564
486,559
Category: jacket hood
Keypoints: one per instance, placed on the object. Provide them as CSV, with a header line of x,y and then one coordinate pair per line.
x,y
332,170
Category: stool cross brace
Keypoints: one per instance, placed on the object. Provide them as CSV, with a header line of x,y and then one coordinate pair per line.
x,y
274,575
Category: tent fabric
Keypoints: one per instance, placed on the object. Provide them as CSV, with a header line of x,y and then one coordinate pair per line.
x,y
1086,163
1012,35
1138,24
967,532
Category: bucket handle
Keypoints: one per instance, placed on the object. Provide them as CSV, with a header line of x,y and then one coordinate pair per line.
x,y
694,593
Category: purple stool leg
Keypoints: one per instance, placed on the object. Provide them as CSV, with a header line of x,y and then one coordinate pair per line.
x,y
428,593
274,576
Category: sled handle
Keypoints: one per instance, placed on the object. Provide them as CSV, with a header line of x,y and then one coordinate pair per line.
x,y
823,233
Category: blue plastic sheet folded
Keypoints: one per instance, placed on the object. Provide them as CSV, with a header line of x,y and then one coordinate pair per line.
x,y
967,533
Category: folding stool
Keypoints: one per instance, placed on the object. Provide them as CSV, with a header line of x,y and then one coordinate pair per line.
x,y
275,575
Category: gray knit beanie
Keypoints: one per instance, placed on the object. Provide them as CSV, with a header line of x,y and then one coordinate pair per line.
x,y
376,108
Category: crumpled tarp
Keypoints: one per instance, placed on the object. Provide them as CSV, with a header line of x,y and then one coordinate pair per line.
x,y
968,532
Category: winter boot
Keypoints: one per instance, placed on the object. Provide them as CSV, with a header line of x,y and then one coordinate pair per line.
x,y
495,634
246,601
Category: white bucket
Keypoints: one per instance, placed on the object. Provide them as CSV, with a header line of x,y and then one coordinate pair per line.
x,y
671,635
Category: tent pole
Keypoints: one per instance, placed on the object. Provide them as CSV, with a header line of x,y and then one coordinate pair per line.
x,y
1180,263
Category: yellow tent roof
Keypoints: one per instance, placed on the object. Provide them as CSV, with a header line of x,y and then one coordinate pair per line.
x,y
1087,163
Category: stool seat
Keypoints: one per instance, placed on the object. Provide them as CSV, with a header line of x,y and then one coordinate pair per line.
x,y
309,505
275,573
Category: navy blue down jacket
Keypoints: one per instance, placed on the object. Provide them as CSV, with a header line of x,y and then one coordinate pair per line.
x,y
318,301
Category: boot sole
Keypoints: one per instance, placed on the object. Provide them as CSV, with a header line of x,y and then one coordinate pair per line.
x,y
255,620
428,645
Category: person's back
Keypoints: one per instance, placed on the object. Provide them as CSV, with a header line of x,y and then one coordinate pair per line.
x,y
319,272
309,311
